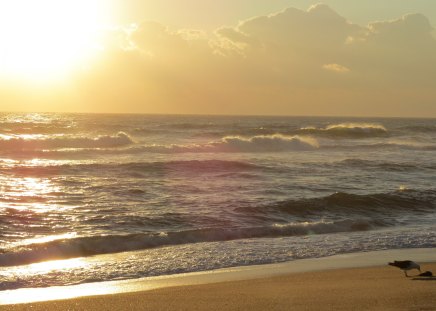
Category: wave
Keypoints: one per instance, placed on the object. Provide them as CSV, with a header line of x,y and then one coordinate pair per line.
x,y
339,212
419,128
192,165
267,143
191,126
340,203
234,144
383,145
382,165
82,147
228,144
263,143
186,167
39,142
347,130
89,246
32,128
238,145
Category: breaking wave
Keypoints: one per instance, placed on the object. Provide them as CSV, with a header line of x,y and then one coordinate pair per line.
x,y
89,246
261,143
269,143
347,130
78,147
63,142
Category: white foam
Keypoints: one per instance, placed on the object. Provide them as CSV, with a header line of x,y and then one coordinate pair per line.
x,y
348,129
357,126
267,143
261,143
42,142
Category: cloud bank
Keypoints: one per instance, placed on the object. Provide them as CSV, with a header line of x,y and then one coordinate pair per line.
x,y
293,62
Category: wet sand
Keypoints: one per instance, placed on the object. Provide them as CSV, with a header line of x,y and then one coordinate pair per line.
x,y
374,288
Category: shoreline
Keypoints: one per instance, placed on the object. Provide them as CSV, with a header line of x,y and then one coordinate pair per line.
x,y
343,262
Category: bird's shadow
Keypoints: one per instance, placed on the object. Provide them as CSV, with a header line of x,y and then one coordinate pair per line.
x,y
422,278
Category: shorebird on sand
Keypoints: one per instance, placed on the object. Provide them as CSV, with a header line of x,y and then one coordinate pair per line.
x,y
406,265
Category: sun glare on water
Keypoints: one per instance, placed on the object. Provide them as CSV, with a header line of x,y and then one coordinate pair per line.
x,y
47,39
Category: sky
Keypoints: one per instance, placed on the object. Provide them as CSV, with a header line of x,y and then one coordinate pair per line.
x,y
215,14
249,57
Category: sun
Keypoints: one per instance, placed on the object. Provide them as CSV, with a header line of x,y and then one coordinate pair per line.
x,y
48,39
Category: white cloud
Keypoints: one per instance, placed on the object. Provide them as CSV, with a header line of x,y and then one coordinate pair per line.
x,y
336,68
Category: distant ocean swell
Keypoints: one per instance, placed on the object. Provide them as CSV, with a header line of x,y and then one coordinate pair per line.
x,y
276,142
334,131
188,167
271,143
419,128
346,130
229,144
340,212
390,204
381,165
122,143
383,146
214,147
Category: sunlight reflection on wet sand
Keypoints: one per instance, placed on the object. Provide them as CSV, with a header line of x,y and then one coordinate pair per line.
x,y
352,260
56,293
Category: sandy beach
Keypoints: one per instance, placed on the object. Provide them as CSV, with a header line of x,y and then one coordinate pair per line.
x,y
370,288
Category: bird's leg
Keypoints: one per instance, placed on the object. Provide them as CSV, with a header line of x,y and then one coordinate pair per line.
x,y
405,272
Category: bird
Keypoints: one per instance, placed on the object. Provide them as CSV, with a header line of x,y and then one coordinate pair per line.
x,y
405,265
427,273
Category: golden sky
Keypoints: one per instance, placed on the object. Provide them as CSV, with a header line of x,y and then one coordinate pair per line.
x,y
275,57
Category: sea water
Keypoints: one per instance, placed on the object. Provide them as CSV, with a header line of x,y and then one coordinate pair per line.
x,y
90,197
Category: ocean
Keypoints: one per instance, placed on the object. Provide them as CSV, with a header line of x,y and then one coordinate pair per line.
x,y
91,197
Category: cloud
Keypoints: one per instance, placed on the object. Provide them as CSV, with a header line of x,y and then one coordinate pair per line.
x,y
410,27
157,40
292,62
397,53
319,27
336,68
